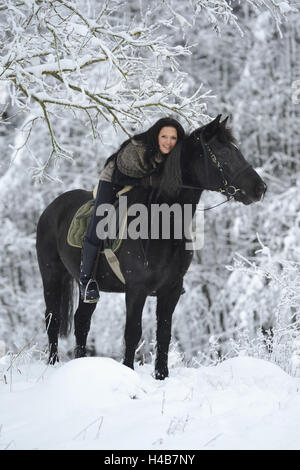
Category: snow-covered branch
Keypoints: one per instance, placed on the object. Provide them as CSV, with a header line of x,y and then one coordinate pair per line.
x,y
221,12
55,55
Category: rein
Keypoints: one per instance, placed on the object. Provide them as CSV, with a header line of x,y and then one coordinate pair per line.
x,y
229,198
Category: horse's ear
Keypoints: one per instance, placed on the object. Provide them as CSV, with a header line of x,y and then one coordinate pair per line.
x,y
223,123
212,128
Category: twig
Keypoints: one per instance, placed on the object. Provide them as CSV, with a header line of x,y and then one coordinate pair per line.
x,y
29,342
163,403
213,439
88,426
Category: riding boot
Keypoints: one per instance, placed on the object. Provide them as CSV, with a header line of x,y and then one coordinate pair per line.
x,y
92,244
89,289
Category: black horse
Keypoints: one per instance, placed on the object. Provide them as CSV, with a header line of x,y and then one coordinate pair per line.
x,y
211,160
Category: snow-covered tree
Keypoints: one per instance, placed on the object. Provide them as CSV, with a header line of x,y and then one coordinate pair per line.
x,y
63,58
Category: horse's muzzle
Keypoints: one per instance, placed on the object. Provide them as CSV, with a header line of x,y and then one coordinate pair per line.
x,y
260,190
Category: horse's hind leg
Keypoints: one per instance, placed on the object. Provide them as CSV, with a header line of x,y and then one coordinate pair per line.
x,y
58,292
166,303
82,322
135,301
52,320
54,281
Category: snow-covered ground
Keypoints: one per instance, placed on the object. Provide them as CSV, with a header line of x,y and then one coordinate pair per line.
x,y
97,403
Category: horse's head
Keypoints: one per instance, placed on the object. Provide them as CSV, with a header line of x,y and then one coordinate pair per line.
x,y
217,164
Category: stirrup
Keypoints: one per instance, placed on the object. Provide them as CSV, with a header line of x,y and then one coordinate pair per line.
x,y
93,298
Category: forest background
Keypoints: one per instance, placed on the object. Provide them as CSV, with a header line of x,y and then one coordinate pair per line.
x,y
76,78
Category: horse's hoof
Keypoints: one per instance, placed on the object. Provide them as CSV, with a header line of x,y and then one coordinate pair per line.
x,y
161,375
80,351
128,364
53,358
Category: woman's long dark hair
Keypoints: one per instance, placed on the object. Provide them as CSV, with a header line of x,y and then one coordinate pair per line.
x,y
171,167
171,179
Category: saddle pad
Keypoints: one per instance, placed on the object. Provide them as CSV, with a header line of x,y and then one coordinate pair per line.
x,y
77,231
79,225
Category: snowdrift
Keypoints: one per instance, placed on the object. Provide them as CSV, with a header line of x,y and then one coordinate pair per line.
x,y
97,403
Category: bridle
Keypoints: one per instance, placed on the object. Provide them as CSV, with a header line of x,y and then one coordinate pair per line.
x,y
229,190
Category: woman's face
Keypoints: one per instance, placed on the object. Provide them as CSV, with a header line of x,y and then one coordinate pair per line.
x,y
167,139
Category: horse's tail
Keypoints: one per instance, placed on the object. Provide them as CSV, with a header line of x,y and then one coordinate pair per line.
x,y
66,305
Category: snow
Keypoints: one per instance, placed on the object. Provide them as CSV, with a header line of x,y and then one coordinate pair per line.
x,y
98,403
284,7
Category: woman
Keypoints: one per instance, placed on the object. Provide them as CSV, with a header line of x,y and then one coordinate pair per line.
x,y
137,162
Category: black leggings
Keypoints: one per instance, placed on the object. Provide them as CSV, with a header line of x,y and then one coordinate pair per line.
x,y
106,194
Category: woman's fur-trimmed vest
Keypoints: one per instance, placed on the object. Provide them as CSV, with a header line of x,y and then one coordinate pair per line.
x,y
130,161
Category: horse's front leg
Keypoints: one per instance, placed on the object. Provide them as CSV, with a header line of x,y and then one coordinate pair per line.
x,y
135,301
166,302
82,322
